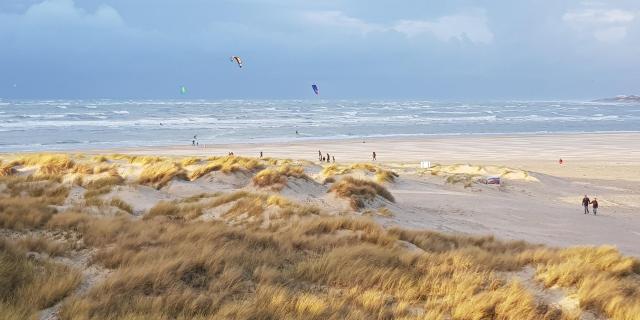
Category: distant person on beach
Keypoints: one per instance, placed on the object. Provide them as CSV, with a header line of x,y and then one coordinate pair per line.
x,y
328,158
374,156
319,155
333,158
297,132
585,204
322,159
193,142
594,204
560,161
260,154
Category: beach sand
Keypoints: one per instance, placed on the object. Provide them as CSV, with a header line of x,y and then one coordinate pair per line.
x,y
606,166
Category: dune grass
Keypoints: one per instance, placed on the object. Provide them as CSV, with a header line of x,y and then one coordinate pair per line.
x,y
273,258
48,163
330,268
359,192
245,208
41,244
102,185
276,178
226,164
380,175
7,169
27,286
28,201
189,161
466,179
158,174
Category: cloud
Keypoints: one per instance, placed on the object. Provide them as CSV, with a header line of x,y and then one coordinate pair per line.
x,y
340,20
466,26
471,26
65,13
604,24
47,20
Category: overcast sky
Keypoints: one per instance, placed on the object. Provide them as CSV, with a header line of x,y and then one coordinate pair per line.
x,y
403,49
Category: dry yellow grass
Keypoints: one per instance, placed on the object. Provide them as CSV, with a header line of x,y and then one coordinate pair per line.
x,y
120,204
189,161
27,286
276,178
285,261
467,180
100,158
227,164
102,186
359,192
141,160
323,268
28,201
48,164
43,245
159,174
381,175
7,169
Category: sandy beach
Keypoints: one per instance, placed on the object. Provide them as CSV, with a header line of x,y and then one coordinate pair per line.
x,y
546,211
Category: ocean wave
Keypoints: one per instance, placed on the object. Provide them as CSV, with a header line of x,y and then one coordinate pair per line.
x,y
166,121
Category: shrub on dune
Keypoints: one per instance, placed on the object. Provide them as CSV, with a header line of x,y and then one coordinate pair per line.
x,y
359,191
100,158
381,175
204,170
160,173
277,177
227,164
102,186
189,161
385,176
30,201
25,213
48,164
28,286
7,169
145,160
121,204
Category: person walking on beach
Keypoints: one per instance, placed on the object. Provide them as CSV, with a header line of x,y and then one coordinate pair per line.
x,y
261,154
374,156
585,204
319,155
328,158
333,158
594,204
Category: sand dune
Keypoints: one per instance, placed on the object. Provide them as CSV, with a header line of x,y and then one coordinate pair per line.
x,y
166,225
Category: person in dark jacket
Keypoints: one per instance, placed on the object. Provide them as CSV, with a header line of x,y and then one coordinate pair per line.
x,y
594,204
585,204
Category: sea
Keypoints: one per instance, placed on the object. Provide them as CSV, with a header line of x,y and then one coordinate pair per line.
x,y
44,125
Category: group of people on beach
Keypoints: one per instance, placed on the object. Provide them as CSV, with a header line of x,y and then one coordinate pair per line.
x,y
326,159
594,204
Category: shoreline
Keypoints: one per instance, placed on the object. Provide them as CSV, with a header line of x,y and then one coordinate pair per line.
x,y
319,140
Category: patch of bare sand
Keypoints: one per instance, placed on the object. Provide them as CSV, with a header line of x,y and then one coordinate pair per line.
x,y
140,198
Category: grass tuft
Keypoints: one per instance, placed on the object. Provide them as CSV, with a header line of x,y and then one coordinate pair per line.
x,y
359,192
160,173
276,178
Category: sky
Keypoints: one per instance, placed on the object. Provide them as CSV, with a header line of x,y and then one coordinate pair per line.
x,y
353,49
